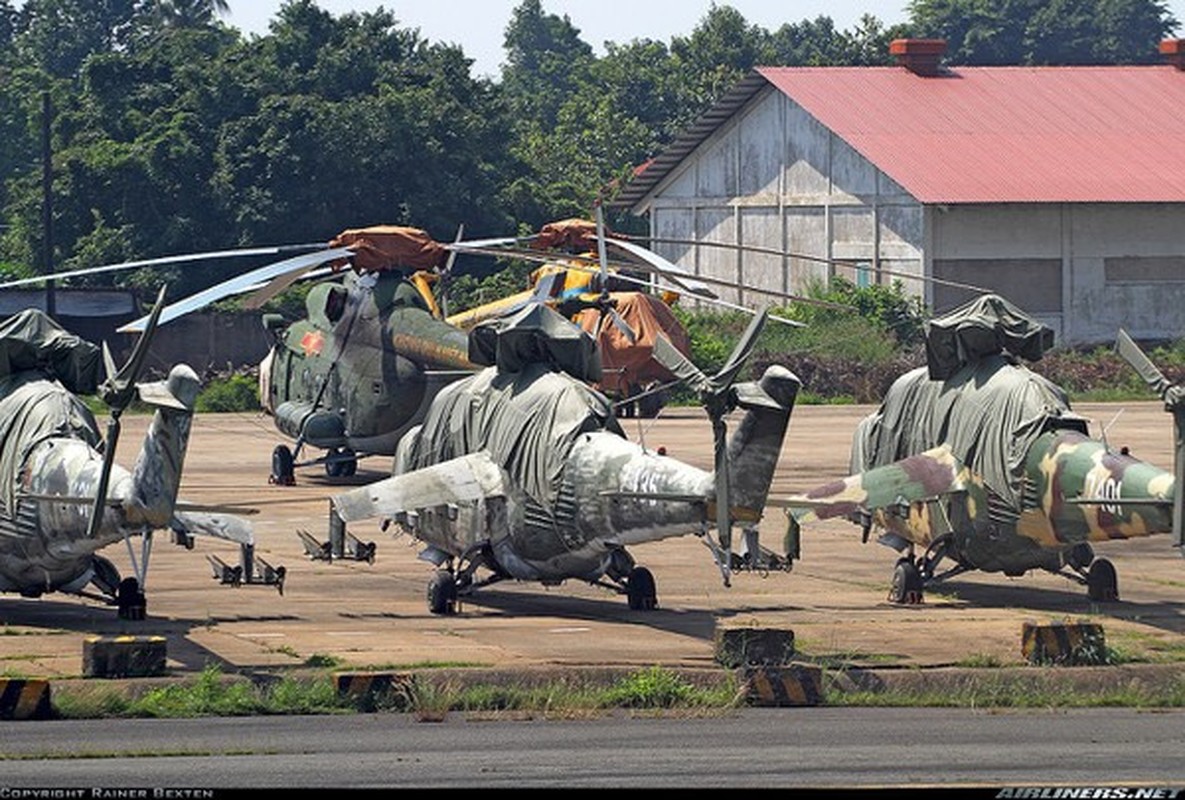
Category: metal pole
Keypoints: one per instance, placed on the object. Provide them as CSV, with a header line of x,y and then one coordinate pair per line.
x,y
47,202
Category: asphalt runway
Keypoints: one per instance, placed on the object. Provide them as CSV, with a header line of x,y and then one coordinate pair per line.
x,y
375,615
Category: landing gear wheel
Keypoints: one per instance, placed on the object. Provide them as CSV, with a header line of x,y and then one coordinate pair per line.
x,y
283,473
131,601
1102,583
640,590
341,463
906,588
442,593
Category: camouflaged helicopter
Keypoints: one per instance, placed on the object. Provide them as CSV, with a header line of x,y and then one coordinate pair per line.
x,y
62,496
977,460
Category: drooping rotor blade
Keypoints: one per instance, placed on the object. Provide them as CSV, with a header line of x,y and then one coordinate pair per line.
x,y
727,374
245,282
1133,355
119,388
672,272
164,261
117,391
679,365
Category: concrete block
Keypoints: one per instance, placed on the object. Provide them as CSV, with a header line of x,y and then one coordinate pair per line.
x,y
123,656
794,684
24,699
1064,643
740,647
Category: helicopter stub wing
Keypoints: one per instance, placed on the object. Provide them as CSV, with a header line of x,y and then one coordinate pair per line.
x,y
462,480
920,477
296,265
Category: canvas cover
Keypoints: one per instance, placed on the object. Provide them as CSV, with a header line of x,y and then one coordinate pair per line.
x,y
31,340
987,325
38,359
528,420
988,407
383,247
535,335
627,363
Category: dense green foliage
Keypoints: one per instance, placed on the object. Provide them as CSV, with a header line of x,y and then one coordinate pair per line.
x,y
173,133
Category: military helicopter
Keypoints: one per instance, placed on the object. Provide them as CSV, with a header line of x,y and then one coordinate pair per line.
x,y
62,496
354,375
521,470
622,318
977,460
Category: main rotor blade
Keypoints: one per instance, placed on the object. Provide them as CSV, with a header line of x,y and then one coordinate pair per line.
x,y
679,365
672,272
242,283
727,374
1131,352
119,389
163,261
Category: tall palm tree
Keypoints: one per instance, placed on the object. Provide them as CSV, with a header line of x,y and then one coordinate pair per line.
x,y
188,13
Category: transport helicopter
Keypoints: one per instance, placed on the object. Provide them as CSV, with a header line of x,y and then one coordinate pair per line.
x,y
976,460
62,496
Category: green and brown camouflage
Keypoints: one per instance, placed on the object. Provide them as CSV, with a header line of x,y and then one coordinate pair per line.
x,y
977,459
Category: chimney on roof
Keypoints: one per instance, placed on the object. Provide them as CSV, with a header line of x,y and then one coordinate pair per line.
x,y
1173,51
919,56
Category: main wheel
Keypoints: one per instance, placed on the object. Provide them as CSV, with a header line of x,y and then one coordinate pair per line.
x,y
283,472
640,590
131,601
906,588
1102,583
442,593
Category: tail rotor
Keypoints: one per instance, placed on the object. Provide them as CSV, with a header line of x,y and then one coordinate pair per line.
x,y
719,398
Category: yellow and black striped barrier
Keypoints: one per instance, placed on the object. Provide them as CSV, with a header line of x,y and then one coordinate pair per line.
x,y
123,656
789,685
24,699
373,690
1064,643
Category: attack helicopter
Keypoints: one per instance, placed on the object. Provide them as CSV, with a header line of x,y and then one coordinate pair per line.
x,y
521,471
62,496
977,460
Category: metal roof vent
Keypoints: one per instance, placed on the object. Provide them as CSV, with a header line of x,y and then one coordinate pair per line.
x,y
919,56
1173,51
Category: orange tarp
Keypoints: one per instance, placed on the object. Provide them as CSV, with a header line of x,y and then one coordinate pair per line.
x,y
649,317
382,247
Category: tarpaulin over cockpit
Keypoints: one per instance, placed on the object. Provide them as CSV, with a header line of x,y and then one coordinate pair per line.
x,y
985,404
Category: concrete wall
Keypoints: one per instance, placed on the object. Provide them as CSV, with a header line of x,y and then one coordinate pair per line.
x,y
1085,270
207,341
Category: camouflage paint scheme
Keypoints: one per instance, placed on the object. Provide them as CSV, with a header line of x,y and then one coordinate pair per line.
x,y
1072,493
355,373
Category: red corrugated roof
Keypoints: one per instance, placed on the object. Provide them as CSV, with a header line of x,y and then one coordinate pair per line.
x,y
1007,134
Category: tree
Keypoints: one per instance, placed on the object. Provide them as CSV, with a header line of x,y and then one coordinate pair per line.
x,y
59,35
1045,32
185,13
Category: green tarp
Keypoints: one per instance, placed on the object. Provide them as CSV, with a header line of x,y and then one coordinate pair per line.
x,y
973,394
